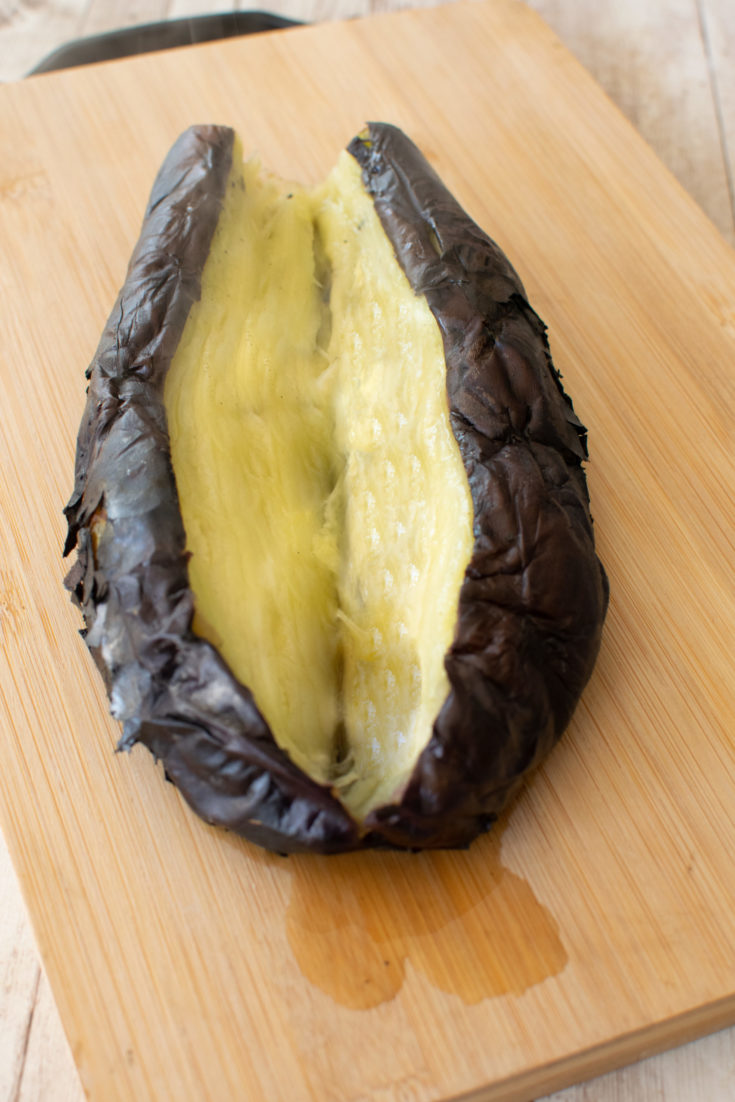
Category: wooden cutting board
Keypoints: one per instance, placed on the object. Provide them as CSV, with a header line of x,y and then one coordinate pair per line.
x,y
597,922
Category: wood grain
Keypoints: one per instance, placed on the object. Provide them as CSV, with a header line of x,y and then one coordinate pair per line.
x,y
718,31
98,18
666,63
29,31
35,1061
703,1071
25,184
664,84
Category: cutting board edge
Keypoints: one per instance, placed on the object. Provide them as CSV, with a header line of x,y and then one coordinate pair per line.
x,y
520,9
621,1051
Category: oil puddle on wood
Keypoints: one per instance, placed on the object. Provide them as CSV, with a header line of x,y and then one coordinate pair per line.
x,y
470,926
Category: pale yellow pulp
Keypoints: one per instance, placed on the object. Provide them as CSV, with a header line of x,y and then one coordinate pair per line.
x,y
324,498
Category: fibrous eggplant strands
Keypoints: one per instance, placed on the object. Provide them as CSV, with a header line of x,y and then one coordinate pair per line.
x,y
325,502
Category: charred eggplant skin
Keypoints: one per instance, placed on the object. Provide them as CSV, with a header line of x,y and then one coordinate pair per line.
x,y
534,597
535,594
169,688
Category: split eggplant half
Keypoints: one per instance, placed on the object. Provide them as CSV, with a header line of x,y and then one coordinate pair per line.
x,y
335,554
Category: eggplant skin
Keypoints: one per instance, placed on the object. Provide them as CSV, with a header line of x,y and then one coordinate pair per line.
x,y
534,596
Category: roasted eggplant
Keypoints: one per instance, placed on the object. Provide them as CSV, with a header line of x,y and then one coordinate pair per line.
x,y
335,555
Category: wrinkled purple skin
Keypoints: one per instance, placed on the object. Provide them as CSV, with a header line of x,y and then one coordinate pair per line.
x,y
534,596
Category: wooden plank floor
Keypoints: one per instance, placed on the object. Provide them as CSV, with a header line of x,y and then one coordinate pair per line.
x,y
668,65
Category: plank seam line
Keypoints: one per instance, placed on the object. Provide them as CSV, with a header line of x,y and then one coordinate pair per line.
x,y
715,90
15,1093
84,17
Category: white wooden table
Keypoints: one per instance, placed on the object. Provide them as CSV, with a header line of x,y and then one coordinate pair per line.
x,y
668,64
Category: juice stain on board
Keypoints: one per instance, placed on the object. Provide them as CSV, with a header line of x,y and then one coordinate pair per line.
x,y
472,927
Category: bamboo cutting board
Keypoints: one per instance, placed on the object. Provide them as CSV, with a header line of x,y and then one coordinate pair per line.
x,y
596,922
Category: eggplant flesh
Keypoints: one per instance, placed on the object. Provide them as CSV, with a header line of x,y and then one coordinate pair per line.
x,y
335,554
327,509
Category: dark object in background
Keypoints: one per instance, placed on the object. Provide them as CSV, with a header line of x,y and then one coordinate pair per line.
x,y
166,35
